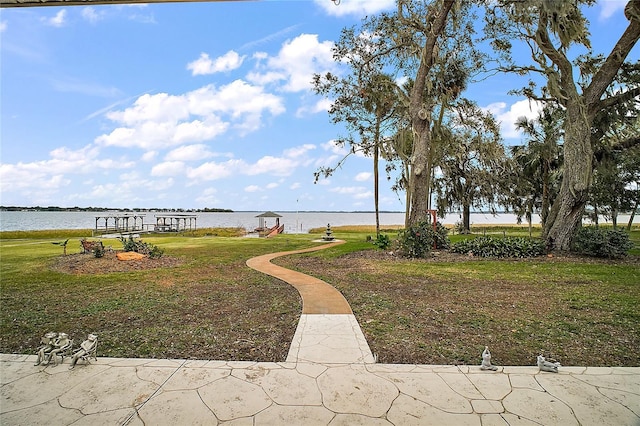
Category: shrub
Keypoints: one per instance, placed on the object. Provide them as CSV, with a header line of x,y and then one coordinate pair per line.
x,y
607,243
500,247
382,242
98,251
129,244
418,240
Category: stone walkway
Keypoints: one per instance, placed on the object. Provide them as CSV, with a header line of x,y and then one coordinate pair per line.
x,y
329,378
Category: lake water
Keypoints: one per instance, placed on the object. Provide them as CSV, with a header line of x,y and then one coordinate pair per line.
x,y
292,221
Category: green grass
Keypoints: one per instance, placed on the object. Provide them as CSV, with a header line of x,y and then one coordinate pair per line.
x,y
211,306
579,311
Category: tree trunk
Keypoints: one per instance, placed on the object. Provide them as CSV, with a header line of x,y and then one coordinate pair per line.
x,y
566,213
544,209
376,183
420,110
466,218
633,214
420,175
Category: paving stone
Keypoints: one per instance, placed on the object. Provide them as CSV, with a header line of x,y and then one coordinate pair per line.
x,y
430,389
598,370
491,386
358,420
18,371
410,411
35,389
588,404
182,407
123,416
311,369
231,398
628,399
105,391
493,420
194,378
459,383
514,420
351,389
244,421
539,407
622,382
278,385
486,406
46,414
524,381
288,415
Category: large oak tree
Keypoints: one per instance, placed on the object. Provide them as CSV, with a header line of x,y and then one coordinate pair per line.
x,y
551,31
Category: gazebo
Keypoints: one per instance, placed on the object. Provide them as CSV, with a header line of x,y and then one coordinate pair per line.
x,y
262,224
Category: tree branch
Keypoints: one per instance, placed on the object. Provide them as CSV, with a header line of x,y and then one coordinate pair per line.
x,y
616,99
605,75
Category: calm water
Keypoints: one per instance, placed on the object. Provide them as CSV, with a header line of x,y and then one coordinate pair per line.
x,y
293,222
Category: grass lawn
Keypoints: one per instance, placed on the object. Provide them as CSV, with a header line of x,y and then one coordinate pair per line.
x,y
209,305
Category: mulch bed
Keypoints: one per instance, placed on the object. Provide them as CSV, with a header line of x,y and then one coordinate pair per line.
x,y
81,263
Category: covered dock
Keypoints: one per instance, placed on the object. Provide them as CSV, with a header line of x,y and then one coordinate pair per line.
x,y
119,224
175,223
264,229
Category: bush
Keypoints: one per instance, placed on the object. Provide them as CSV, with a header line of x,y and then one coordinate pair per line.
x,y
98,251
607,243
129,244
500,247
417,241
382,242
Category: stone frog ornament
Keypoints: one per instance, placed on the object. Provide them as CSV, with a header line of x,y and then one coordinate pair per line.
x,y
545,365
486,360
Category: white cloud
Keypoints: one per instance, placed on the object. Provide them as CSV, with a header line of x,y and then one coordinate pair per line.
x,y
189,153
90,14
348,190
355,7
363,176
272,185
298,151
52,173
296,63
335,148
508,117
610,7
322,105
58,20
208,197
3,26
149,156
204,65
163,120
214,171
252,188
272,165
295,186
168,168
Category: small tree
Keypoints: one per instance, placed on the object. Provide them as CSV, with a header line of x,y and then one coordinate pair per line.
x,y
474,162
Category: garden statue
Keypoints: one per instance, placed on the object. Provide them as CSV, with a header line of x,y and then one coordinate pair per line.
x,y
47,346
62,346
486,360
86,350
545,365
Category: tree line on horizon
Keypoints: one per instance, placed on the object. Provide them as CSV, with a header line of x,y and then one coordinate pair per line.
x,y
402,100
103,209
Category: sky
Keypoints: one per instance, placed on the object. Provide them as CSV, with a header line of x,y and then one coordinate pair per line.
x,y
196,105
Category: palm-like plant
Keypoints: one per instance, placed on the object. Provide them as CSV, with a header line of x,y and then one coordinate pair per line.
x,y
539,161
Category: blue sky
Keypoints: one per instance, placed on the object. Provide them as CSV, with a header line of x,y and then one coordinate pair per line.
x,y
193,105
